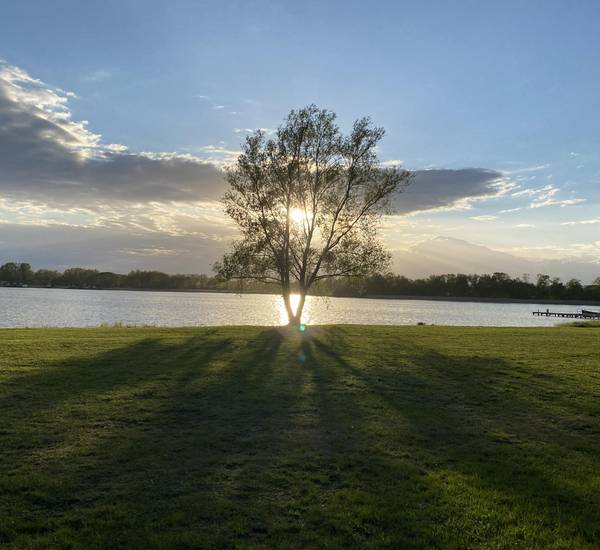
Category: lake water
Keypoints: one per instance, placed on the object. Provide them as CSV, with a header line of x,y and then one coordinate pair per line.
x,y
35,307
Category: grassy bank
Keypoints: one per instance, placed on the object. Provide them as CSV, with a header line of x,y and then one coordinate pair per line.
x,y
350,436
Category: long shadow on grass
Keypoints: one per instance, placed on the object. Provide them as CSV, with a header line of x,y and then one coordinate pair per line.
x,y
67,390
158,442
370,493
276,440
467,420
205,442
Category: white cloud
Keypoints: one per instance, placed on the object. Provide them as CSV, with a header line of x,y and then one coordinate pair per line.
x,y
543,197
525,193
153,252
484,218
582,222
219,155
509,210
536,168
392,163
540,203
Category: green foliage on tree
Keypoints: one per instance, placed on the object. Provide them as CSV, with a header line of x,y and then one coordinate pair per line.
x,y
307,204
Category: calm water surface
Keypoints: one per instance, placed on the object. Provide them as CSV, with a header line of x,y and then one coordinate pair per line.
x,y
35,307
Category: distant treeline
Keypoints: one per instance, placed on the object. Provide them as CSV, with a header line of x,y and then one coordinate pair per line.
x,y
19,274
496,285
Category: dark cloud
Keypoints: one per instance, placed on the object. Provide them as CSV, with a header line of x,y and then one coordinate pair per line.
x,y
442,188
46,156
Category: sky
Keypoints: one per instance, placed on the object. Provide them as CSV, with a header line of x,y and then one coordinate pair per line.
x,y
116,119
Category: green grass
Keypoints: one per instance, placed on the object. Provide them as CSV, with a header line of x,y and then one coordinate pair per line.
x,y
370,437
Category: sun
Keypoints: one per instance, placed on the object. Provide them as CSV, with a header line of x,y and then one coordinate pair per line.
x,y
297,215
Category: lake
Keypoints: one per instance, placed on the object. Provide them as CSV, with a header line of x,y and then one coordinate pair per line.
x,y
37,307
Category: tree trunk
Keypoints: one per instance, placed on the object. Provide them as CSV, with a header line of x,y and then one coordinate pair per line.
x,y
288,306
295,319
299,309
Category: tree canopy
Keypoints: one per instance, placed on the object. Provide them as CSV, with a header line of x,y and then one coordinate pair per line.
x,y
307,203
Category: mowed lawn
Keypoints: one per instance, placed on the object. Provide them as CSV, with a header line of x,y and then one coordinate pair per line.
x,y
369,437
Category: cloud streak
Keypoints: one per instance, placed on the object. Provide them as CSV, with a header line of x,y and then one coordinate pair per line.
x,y
582,222
542,197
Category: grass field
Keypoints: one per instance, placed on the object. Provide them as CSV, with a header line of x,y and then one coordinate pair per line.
x,y
370,437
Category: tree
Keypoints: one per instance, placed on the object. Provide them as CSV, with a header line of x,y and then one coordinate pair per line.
x,y
25,273
47,277
78,277
557,289
307,204
574,289
543,283
106,279
9,273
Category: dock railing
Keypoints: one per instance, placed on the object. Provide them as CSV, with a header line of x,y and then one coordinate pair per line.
x,y
583,314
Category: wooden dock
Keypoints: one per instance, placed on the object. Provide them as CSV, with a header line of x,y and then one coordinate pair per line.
x,y
577,315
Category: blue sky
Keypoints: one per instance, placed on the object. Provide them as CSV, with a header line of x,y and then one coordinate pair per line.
x,y
505,86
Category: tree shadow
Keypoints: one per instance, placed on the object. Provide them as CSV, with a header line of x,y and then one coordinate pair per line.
x,y
482,421
115,448
273,438
57,394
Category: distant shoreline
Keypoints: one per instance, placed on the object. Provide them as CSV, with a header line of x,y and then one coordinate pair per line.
x,y
491,300
368,296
